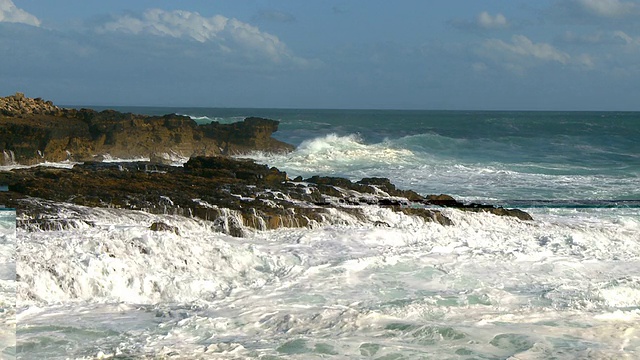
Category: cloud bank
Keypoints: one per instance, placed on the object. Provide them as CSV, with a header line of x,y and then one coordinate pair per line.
x,y
521,46
482,22
10,13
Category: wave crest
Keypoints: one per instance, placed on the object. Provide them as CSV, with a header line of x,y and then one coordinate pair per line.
x,y
333,152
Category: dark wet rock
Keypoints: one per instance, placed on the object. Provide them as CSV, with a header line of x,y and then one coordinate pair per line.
x,y
500,211
235,195
443,200
241,169
160,226
34,131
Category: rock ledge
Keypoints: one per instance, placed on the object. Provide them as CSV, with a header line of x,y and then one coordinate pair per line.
x,y
236,195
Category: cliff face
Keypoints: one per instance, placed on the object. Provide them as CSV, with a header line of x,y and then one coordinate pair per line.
x,y
34,131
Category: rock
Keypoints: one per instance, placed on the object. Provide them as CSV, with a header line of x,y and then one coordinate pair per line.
x,y
442,199
249,135
385,185
160,226
235,195
33,131
449,201
507,212
428,215
19,105
248,170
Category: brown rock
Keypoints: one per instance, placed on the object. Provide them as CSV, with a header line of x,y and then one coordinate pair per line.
x,y
34,131
235,195
160,226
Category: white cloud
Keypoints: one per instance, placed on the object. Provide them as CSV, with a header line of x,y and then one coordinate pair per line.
x,y
485,20
626,38
521,46
10,13
584,61
228,34
608,8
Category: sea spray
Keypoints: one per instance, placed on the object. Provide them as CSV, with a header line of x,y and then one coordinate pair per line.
x,y
410,285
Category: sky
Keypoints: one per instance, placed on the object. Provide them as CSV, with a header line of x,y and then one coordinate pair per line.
x,y
353,54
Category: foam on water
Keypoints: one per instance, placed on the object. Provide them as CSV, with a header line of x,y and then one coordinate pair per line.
x,y
173,158
7,283
202,120
488,287
62,164
332,153
107,158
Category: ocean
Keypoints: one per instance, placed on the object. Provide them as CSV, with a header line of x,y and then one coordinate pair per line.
x,y
564,286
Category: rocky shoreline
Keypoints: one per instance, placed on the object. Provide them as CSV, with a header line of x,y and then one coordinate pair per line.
x,y
236,195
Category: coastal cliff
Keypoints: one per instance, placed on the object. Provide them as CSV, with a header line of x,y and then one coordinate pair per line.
x,y
33,131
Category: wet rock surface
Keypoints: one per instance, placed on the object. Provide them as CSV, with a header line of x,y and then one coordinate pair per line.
x,y
235,194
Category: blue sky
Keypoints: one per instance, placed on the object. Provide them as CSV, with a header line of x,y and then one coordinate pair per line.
x,y
405,54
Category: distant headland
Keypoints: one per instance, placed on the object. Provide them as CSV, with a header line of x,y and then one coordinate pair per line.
x,y
33,131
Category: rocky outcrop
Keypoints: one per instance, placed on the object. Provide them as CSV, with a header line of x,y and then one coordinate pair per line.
x,y
34,131
235,195
20,105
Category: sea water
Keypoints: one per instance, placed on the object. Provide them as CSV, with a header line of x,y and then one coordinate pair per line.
x,y
7,282
564,286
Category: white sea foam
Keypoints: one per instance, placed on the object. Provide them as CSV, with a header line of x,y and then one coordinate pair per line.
x,y
487,287
107,158
173,158
333,153
209,119
7,283
62,164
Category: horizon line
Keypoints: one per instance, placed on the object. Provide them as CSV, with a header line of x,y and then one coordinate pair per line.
x,y
91,106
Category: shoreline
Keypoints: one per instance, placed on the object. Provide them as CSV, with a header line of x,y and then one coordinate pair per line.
x,y
84,136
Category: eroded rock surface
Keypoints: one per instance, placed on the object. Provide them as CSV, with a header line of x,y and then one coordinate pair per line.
x,y
234,194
